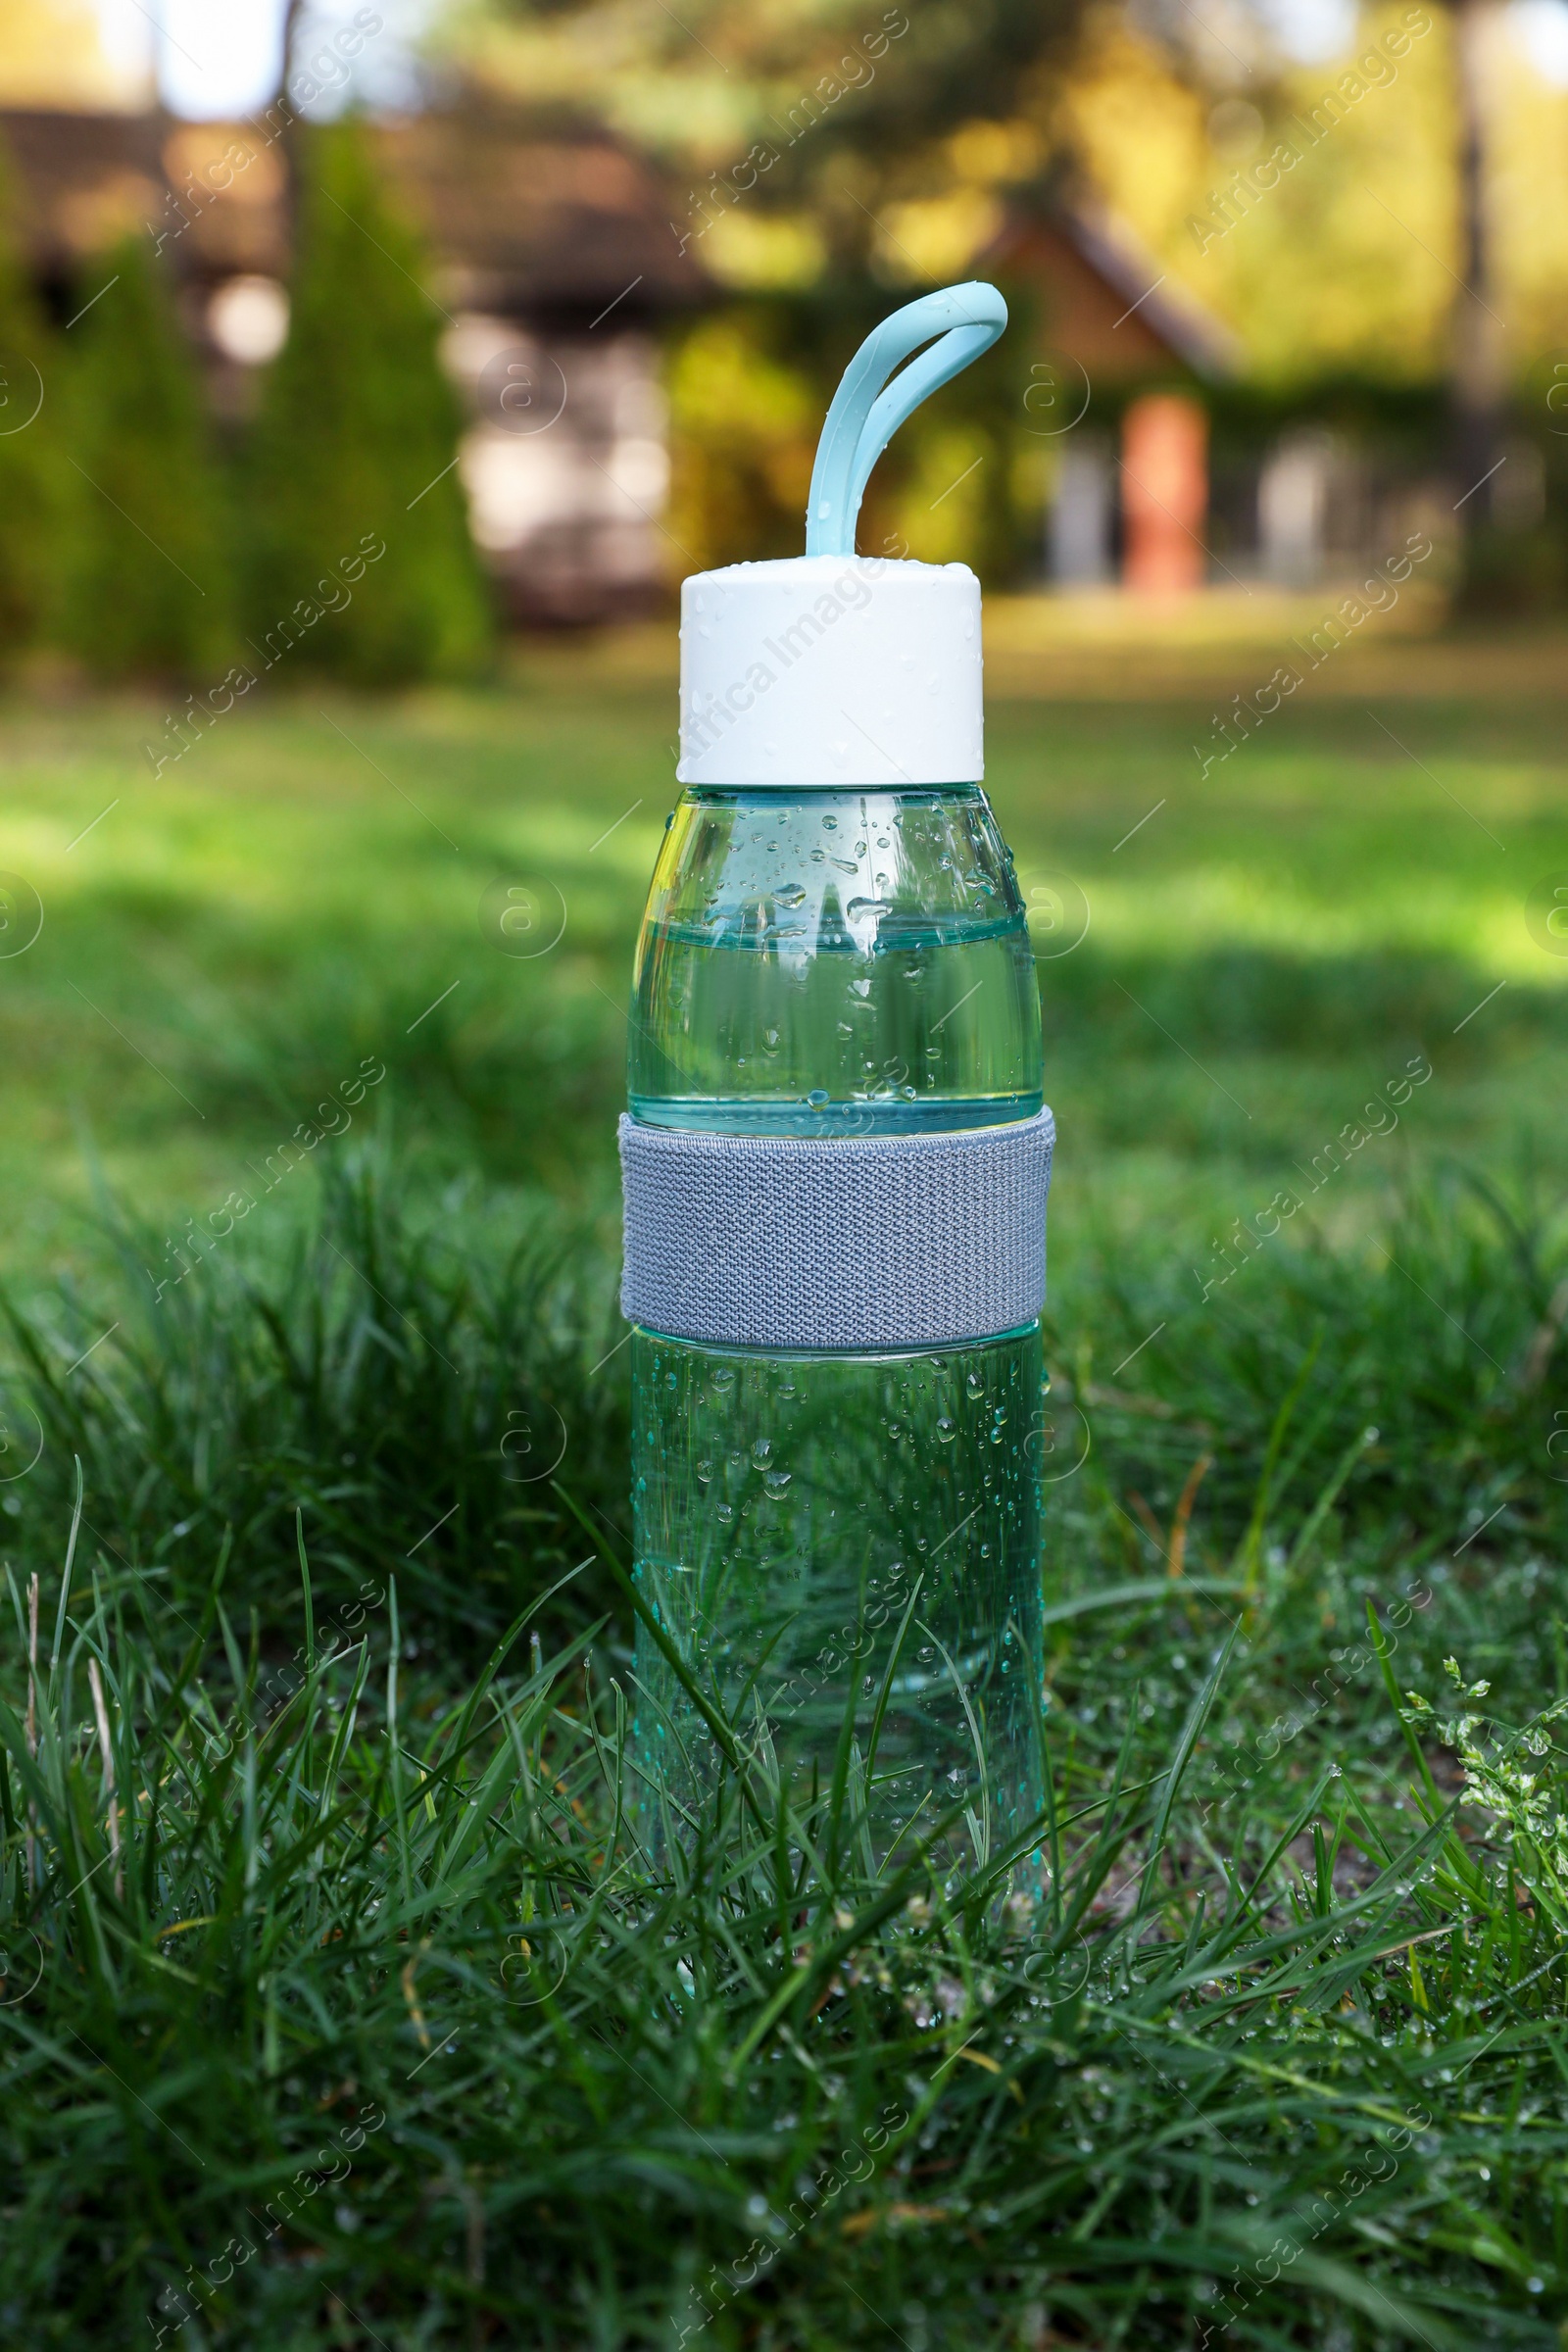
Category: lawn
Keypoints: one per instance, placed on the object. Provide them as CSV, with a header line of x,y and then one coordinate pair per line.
x,y
335,2009
1274,940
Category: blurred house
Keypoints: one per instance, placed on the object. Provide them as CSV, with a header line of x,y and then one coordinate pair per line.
x,y
1323,500
558,262
555,264
1170,470
1118,390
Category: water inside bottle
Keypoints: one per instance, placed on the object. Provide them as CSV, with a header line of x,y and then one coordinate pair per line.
x,y
843,1549
834,963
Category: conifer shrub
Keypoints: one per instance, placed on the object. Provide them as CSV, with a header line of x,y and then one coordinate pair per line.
x,y
361,562
148,564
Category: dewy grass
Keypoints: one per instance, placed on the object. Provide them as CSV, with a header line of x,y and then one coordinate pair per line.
x,y
341,2006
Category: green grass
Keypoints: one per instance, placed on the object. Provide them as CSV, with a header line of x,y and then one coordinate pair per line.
x,y
1281,2058
1262,953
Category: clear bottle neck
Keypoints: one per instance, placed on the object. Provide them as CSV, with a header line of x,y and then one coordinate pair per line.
x,y
820,962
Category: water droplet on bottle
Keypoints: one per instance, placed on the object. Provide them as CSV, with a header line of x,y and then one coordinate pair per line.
x,y
705,1471
818,1093
776,1481
974,1384
725,1513
946,1431
761,1449
792,894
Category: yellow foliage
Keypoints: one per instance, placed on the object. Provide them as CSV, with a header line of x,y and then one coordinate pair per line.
x,y
936,238
992,151
1350,260
52,55
1346,262
722,384
762,251
1139,131
1529,201
743,433
938,508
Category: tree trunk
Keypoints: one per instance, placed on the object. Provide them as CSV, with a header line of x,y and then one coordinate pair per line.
x,y
288,144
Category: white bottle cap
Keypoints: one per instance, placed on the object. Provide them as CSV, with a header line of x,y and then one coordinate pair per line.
x,y
832,667
831,670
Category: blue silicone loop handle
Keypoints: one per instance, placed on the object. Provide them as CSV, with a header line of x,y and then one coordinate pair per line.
x,y
864,416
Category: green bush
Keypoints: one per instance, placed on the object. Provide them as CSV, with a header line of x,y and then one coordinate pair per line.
x,y
148,576
29,453
353,452
1508,573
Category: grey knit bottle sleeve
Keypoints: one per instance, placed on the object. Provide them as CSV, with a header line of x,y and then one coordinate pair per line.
x,y
847,1242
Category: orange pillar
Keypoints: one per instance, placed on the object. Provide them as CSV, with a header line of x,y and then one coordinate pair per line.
x,y
1164,492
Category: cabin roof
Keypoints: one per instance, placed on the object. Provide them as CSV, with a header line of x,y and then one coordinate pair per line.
x,y
1104,301
521,213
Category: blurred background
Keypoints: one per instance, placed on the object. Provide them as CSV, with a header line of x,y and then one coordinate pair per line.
x,y
372,375
1287,280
